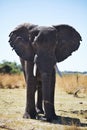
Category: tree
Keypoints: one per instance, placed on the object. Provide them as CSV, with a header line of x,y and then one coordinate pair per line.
x,y
10,67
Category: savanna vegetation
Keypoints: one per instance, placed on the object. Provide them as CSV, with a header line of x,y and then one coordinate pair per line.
x,y
10,67
70,101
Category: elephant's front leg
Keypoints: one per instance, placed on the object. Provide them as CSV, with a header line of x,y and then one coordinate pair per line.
x,y
30,111
52,91
48,87
39,106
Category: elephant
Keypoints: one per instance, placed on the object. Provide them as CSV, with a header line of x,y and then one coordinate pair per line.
x,y
43,46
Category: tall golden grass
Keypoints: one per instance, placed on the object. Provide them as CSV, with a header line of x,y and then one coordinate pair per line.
x,y
12,81
69,82
72,82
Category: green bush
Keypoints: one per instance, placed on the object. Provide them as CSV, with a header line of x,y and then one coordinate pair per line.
x,y
10,67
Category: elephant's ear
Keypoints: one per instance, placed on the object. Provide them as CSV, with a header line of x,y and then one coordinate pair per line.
x,y
22,31
19,41
68,41
26,31
19,31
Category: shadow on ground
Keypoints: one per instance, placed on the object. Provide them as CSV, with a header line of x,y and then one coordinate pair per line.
x,y
66,121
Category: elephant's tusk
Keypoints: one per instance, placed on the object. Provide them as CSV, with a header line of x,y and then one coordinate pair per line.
x,y
35,58
58,71
35,70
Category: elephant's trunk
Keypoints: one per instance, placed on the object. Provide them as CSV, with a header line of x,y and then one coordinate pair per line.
x,y
47,92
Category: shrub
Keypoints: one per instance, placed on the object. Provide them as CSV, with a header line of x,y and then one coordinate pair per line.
x,y
10,67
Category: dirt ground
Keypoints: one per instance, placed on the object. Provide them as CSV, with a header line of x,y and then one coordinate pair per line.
x,y
71,111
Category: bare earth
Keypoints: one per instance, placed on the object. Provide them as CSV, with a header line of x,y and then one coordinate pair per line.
x,y
71,111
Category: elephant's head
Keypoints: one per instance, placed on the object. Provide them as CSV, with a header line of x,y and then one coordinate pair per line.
x,y
44,45
50,44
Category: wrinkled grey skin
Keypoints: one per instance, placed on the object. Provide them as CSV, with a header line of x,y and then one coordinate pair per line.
x,y
43,46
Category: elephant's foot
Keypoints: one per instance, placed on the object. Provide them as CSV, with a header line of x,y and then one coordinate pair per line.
x,y
52,118
28,116
48,119
39,110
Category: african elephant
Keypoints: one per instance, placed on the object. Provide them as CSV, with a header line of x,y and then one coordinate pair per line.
x,y
43,46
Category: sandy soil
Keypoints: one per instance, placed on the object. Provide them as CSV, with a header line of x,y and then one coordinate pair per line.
x,y
71,111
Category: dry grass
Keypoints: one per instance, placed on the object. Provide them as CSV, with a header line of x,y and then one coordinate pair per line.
x,y
69,83
72,82
12,81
